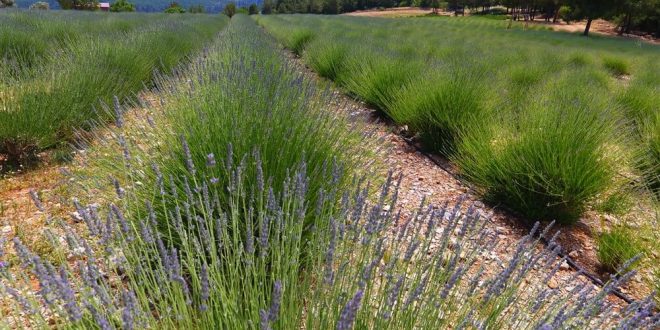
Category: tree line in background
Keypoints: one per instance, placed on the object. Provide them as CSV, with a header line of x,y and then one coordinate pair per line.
x,y
631,16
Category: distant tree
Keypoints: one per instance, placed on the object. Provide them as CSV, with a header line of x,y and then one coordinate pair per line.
x,y
65,4
331,7
230,9
40,5
436,5
122,6
242,10
196,9
175,8
253,9
566,14
6,3
591,10
79,4
638,14
267,7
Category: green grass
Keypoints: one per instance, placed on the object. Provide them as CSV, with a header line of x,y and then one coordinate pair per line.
x,y
617,66
438,108
55,93
615,247
299,40
532,118
327,59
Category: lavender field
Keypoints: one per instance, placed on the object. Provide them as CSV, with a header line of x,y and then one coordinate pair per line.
x,y
207,172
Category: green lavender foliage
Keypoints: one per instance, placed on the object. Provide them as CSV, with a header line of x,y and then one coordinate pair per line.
x,y
532,118
248,100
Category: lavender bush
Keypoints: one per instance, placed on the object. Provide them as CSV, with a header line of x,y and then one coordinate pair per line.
x,y
368,268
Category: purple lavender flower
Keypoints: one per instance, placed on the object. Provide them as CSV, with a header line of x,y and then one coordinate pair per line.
x,y
36,201
392,296
145,232
22,251
68,296
160,182
264,233
349,312
452,281
249,235
264,323
210,160
101,321
260,172
186,152
204,234
275,301
119,121
230,157
129,311
25,304
205,289
411,250
329,255
125,228
417,292
118,189
124,148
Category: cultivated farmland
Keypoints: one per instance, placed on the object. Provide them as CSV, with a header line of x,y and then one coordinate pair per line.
x,y
543,122
217,183
56,73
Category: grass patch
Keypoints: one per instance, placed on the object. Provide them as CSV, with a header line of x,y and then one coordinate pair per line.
x,y
299,40
327,59
438,108
617,66
616,247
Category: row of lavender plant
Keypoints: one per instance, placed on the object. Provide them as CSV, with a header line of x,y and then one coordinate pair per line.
x,y
42,105
226,243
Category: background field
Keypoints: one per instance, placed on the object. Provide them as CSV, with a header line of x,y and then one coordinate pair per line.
x,y
57,75
546,123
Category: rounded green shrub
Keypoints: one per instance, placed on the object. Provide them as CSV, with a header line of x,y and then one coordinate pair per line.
x,y
327,59
437,108
299,40
548,166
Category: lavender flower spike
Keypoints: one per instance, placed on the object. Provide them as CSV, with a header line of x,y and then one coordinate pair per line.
x,y
205,289
210,160
186,151
264,324
36,200
349,312
275,301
